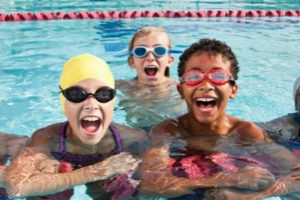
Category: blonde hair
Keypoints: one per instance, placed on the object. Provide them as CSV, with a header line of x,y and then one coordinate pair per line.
x,y
146,31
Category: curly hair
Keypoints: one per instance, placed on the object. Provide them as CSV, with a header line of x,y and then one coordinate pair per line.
x,y
213,47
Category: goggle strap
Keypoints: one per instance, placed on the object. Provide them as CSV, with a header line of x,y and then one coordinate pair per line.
x,y
175,51
181,79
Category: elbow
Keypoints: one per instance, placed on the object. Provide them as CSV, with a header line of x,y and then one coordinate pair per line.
x,y
14,192
13,187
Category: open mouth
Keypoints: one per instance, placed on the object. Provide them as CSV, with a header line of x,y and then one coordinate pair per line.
x,y
90,124
151,71
206,104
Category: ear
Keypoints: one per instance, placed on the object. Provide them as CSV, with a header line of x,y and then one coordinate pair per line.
x,y
234,90
130,62
180,90
171,60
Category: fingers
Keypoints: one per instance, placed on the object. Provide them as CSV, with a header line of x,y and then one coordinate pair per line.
x,y
114,166
253,178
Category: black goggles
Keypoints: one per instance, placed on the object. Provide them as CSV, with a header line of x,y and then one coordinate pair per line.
x,y
76,94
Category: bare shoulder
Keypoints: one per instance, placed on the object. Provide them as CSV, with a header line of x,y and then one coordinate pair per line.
x,y
249,131
13,137
44,138
128,131
37,154
133,139
168,126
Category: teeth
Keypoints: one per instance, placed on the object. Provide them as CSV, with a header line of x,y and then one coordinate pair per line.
x,y
151,66
91,119
205,99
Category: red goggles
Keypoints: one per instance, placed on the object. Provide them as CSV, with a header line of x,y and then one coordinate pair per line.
x,y
215,76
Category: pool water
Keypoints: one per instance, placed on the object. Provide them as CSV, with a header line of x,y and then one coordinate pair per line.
x,y
32,54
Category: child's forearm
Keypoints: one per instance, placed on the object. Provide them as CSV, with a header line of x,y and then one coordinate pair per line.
x,y
164,184
21,183
46,183
286,184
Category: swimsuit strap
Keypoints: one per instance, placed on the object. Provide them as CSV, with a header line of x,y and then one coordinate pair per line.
x,y
117,138
295,117
62,136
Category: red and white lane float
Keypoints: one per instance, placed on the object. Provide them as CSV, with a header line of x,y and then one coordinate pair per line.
x,y
146,14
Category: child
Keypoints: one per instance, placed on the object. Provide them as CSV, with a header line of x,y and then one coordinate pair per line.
x,y
206,148
286,129
10,146
152,90
87,147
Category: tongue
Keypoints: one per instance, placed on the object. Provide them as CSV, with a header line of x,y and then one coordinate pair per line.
x,y
151,71
206,106
90,126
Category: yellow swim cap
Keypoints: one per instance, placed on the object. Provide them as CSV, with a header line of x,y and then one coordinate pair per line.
x,y
83,67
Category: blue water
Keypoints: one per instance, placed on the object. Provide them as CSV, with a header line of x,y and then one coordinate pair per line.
x,y
32,54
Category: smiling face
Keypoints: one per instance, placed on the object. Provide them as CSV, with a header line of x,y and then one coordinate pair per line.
x,y
150,69
89,119
207,101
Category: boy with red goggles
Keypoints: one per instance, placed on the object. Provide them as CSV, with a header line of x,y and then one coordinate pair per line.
x,y
207,148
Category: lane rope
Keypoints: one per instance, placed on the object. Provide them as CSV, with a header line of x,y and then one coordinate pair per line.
x,y
146,14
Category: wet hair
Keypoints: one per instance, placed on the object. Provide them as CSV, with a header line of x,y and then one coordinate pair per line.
x,y
146,31
213,47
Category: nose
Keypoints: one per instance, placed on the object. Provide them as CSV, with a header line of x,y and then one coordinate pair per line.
x,y
206,85
150,56
90,103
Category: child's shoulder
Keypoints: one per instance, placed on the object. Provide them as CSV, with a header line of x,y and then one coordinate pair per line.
x,y
130,134
134,140
168,126
46,135
249,131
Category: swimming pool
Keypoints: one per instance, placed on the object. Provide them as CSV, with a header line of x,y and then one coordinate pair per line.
x,y
33,52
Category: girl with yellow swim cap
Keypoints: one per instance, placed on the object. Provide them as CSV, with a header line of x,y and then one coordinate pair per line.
x,y
89,147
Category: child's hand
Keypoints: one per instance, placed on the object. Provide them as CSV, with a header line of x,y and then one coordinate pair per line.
x,y
253,178
112,166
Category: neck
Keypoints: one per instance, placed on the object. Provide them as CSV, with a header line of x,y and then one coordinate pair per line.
x,y
220,126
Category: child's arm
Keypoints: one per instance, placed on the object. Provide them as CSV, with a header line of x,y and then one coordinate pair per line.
x,y
289,178
11,144
157,179
285,185
34,173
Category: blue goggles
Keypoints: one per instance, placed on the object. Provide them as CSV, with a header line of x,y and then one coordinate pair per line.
x,y
158,51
